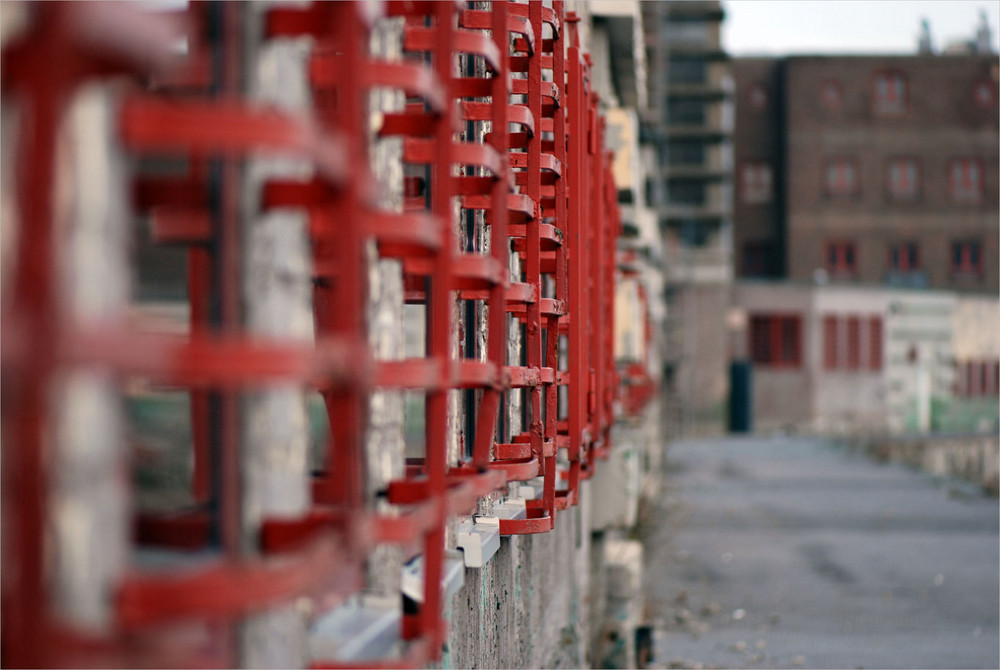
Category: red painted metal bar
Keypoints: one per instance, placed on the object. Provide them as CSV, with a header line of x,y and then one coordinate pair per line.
x,y
439,320
580,435
44,66
25,596
500,112
546,192
555,330
532,265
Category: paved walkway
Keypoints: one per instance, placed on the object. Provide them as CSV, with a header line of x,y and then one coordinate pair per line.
x,y
795,552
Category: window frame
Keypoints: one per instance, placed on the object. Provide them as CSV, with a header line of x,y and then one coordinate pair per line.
x,y
831,85
758,103
844,264
972,193
876,344
758,257
984,84
837,187
892,191
852,356
969,264
884,103
852,342
913,260
775,340
831,342
755,190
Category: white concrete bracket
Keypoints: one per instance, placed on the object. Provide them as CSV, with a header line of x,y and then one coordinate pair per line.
x,y
479,540
452,578
363,628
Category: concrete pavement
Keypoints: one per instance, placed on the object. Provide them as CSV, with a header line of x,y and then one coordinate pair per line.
x,y
795,552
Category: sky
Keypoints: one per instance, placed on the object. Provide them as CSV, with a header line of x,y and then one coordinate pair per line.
x,y
778,27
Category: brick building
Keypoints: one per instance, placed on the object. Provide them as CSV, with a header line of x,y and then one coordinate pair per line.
x,y
868,169
866,197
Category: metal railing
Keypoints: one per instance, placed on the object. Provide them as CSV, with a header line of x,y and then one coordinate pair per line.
x,y
549,211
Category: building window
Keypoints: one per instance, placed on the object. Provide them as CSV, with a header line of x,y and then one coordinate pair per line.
x,y
686,111
831,94
890,93
682,71
984,94
842,177
904,257
831,342
685,32
853,343
758,259
841,258
842,342
966,258
977,378
757,97
965,179
686,192
756,183
903,179
776,340
686,153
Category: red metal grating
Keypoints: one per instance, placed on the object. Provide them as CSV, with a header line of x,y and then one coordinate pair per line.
x,y
541,195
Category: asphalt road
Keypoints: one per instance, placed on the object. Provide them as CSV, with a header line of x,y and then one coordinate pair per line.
x,y
792,552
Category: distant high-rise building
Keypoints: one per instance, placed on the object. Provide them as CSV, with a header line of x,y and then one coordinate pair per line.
x,y
691,107
691,116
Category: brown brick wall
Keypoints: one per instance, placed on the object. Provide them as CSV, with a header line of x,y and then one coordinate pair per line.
x,y
941,121
757,138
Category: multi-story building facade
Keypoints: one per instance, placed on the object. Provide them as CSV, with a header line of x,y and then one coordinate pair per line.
x,y
849,359
691,104
868,186
691,115
869,169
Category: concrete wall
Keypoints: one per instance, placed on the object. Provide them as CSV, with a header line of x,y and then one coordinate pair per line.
x,y
847,401
975,458
527,607
702,377
781,397
914,390
976,330
976,324
919,353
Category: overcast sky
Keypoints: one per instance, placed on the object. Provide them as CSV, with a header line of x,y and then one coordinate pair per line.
x,y
849,26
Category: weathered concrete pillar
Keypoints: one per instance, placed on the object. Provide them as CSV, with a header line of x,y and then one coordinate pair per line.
x,y
277,292
89,513
384,442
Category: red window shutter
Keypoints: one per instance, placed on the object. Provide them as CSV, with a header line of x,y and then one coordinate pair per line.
x,y
971,379
830,343
875,343
853,343
790,336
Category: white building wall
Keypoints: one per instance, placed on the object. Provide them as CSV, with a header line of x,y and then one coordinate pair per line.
x,y
847,400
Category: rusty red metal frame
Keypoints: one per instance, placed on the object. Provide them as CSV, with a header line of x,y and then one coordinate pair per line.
x,y
547,197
